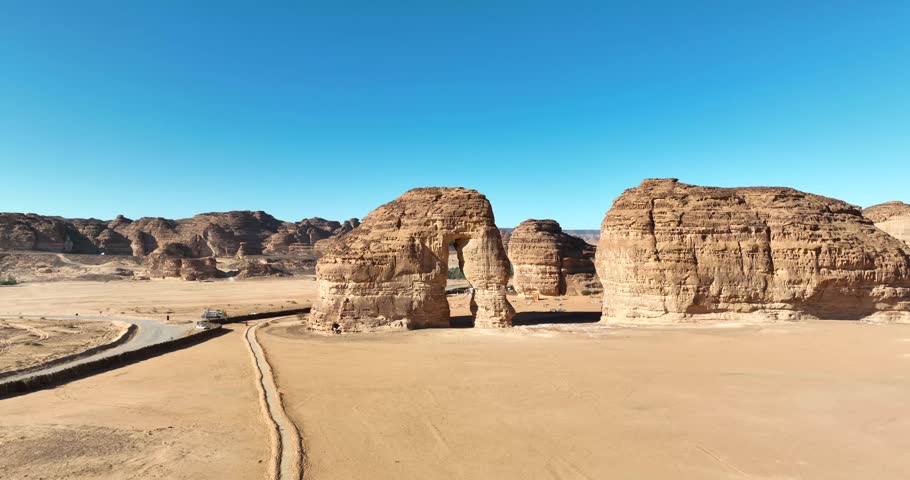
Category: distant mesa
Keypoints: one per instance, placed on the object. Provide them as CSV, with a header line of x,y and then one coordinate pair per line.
x,y
892,217
547,261
670,251
391,271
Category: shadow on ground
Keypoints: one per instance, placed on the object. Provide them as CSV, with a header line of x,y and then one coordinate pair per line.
x,y
534,318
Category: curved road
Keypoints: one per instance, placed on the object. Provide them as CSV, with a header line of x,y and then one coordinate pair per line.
x,y
149,332
287,448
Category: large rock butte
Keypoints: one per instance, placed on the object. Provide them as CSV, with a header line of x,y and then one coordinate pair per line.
x,y
892,217
670,251
391,271
547,261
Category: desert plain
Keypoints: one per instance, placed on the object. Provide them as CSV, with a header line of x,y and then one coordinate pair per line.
x,y
556,396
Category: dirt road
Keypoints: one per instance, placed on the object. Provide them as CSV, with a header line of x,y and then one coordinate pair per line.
x,y
149,332
287,450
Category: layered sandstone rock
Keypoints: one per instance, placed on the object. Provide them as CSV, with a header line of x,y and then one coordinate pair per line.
x,y
204,235
20,231
547,261
893,218
391,271
174,260
589,236
248,268
186,268
672,251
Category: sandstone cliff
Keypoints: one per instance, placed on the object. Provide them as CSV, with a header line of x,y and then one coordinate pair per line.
x,y
670,251
204,235
173,260
548,261
391,271
893,218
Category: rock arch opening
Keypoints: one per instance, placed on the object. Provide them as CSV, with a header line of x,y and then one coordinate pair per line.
x,y
391,271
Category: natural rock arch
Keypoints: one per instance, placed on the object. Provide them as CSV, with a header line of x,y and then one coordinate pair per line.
x,y
391,271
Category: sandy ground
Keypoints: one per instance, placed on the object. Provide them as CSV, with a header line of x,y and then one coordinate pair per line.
x,y
778,401
156,299
27,342
189,414
571,400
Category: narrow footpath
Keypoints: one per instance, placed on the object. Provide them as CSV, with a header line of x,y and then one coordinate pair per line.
x,y
287,448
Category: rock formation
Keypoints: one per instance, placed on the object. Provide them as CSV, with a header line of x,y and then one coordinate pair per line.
x,y
20,231
671,251
249,268
171,261
547,261
893,218
391,271
209,234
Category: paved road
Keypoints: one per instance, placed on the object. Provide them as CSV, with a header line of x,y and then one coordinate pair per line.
x,y
149,332
287,450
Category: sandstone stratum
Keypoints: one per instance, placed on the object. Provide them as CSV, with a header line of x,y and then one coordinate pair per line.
x,y
893,218
205,235
670,251
185,248
391,271
547,261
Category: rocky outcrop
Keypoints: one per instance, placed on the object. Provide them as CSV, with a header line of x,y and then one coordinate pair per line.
x,y
671,251
391,271
20,231
249,268
893,218
204,235
547,261
171,260
589,236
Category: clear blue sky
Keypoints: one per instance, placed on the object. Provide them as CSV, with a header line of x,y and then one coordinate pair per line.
x,y
330,109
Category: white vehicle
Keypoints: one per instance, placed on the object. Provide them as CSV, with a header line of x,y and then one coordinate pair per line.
x,y
208,314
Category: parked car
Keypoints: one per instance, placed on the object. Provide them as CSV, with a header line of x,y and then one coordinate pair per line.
x,y
208,314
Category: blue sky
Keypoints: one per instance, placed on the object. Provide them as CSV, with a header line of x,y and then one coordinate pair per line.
x,y
552,110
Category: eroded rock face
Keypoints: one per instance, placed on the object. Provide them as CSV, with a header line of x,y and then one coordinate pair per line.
x,y
671,251
893,218
248,268
547,261
391,271
172,261
20,231
209,234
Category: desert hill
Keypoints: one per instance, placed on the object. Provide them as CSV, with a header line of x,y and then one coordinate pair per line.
x,y
204,235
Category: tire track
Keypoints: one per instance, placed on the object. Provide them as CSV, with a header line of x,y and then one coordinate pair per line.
x,y
286,445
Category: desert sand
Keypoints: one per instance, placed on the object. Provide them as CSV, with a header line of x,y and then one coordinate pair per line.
x,y
156,299
814,399
27,342
821,399
189,414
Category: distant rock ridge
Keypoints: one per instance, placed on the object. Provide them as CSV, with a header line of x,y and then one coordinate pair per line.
x,y
204,235
670,251
548,261
892,217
